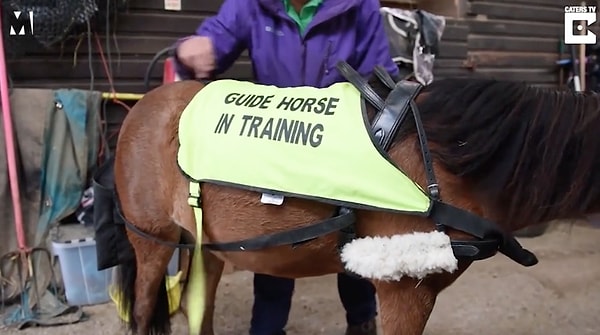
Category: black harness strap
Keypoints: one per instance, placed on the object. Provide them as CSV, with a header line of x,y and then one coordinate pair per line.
x,y
390,117
147,236
294,237
384,76
432,185
289,237
361,84
484,229
388,120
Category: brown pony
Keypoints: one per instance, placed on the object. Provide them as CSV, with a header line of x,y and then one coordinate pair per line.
x,y
504,151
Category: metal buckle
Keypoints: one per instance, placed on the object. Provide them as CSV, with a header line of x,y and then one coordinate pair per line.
x,y
434,191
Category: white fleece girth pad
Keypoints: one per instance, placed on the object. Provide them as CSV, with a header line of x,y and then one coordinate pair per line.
x,y
414,255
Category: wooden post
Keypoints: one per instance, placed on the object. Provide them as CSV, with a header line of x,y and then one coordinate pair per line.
x,y
448,8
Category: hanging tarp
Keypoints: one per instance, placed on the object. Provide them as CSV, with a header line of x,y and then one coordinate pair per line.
x,y
57,143
414,37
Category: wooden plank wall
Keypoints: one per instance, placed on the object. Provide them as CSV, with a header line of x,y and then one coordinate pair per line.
x,y
141,31
144,29
450,61
505,39
515,39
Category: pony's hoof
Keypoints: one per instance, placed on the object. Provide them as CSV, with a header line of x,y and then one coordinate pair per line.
x,y
367,328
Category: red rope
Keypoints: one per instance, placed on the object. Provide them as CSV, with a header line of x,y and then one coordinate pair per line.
x,y
112,91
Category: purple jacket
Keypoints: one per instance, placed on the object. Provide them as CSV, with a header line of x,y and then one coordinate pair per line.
x,y
349,30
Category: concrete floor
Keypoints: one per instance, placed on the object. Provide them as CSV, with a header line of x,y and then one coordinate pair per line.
x,y
559,296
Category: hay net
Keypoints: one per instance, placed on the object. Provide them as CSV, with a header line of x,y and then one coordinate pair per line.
x,y
56,20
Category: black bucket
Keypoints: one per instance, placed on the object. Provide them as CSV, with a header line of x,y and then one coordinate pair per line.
x,y
112,246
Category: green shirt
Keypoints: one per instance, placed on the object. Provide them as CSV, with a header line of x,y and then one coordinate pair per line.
x,y
307,13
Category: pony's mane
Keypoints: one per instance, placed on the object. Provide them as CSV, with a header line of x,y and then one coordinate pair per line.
x,y
534,153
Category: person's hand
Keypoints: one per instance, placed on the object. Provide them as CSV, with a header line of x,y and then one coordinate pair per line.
x,y
197,53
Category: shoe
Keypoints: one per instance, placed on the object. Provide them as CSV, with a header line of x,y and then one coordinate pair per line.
x,y
277,333
366,328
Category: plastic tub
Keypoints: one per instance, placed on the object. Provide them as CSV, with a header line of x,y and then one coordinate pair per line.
x,y
84,284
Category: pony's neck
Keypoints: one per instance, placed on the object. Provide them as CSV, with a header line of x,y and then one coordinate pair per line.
x,y
553,172
530,154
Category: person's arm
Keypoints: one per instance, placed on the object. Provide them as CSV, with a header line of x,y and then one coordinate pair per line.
x,y
373,46
228,31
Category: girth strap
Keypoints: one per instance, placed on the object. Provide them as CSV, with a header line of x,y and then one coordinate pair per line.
x,y
294,236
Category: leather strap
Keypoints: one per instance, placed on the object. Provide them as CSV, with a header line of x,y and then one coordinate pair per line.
x,y
136,230
294,236
479,227
388,120
382,74
474,250
361,84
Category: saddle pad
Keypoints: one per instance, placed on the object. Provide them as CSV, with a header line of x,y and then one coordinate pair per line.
x,y
305,142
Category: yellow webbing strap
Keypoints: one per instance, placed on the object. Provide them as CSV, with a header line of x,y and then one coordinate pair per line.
x,y
196,293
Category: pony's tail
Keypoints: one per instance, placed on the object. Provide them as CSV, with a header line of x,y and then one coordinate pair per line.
x,y
160,322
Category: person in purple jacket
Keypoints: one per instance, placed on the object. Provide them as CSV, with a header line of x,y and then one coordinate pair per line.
x,y
293,43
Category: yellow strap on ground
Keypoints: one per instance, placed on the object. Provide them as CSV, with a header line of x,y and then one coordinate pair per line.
x,y
196,291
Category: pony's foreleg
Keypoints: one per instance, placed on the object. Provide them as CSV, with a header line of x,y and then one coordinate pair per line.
x,y
404,307
214,269
151,308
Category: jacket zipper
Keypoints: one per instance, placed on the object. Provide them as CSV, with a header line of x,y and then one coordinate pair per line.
x,y
324,69
303,62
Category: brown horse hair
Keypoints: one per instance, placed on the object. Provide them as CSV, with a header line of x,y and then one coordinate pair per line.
x,y
509,139
160,323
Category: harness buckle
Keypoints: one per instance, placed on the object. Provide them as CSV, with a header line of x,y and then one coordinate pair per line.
x,y
194,201
434,191
194,198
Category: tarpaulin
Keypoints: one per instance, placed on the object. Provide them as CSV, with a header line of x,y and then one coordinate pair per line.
x,y
57,136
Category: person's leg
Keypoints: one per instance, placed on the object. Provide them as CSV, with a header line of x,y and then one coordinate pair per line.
x,y
272,303
359,301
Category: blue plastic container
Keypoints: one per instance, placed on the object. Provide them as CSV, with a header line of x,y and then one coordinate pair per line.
x,y
84,284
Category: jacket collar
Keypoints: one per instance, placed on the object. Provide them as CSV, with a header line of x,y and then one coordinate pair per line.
x,y
329,8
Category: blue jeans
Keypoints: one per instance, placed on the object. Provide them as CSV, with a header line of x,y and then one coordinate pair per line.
x,y
273,300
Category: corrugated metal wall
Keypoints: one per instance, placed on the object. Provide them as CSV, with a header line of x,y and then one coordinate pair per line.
x,y
515,39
